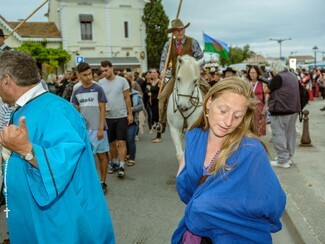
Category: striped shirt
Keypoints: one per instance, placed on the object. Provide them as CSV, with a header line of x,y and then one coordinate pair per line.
x,y
5,112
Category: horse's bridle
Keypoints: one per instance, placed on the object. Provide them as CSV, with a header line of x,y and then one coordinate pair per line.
x,y
194,100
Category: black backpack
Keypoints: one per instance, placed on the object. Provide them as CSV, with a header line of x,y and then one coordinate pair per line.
x,y
304,98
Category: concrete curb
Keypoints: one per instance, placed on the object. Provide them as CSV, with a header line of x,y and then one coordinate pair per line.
x,y
297,225
305,210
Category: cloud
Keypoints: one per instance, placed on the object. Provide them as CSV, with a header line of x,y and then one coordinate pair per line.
x,y
254,22
237,22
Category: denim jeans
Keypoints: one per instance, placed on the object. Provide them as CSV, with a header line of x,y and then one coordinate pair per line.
x,y
149,113
130,142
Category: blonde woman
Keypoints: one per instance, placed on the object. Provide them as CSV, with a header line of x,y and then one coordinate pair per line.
x,y
51,83
225,178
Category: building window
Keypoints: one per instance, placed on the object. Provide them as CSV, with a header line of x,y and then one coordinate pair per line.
x,y
86,26
126,29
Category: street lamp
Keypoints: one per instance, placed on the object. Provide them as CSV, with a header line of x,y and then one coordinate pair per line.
x,y
315,48
280,43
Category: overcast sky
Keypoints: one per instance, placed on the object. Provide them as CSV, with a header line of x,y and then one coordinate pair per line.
x,y
236,22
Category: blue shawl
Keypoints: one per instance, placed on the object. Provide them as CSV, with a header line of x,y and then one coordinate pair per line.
x,y
241,205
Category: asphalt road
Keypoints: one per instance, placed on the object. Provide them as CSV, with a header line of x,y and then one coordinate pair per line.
x,y
144,206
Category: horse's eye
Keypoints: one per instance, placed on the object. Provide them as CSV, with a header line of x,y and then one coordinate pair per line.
x,y
178,79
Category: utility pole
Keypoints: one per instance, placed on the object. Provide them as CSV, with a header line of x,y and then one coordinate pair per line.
x,y
280,43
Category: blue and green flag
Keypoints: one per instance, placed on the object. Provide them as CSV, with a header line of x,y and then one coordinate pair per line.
x,y
215,46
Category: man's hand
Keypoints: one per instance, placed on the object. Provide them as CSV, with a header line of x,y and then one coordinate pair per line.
x,y
162,75
265,109
15,138
100,134
130,118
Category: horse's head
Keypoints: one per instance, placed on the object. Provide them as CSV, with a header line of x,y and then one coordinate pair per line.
x,y
187,80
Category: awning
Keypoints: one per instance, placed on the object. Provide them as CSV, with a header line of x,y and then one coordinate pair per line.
x,y
86,18
120,63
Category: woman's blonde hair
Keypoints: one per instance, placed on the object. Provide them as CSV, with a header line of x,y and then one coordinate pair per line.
x,y
246,128
51,79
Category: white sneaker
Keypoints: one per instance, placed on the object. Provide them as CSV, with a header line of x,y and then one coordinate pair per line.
x,y
285,165
289,161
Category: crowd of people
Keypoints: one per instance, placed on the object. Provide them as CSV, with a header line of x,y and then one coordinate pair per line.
x,y
225,177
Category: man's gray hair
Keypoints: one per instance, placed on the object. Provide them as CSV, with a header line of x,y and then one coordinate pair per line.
x,y
20,66
278,67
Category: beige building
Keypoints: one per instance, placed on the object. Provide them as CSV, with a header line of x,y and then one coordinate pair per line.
x,y
93,30
102,29
256,59
42,32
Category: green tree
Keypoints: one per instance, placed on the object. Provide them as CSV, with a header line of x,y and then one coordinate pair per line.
x,y
54,57
236,55
156,22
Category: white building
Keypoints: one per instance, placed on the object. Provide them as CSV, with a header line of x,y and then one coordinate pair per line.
x,y
39,32
102,29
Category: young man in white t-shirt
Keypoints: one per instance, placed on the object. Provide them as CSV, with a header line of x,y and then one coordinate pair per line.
x,y
118,115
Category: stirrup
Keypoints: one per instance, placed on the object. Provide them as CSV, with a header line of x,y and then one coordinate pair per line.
x,y
158,127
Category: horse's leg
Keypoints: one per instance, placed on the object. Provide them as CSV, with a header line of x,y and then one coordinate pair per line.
x,y
176,135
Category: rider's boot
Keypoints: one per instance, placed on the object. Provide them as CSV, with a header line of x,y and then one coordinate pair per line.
x,y
163,127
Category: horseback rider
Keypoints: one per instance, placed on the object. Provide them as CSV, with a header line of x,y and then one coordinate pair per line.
x,y
181,45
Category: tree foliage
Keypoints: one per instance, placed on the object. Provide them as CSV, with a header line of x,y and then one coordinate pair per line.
x,y
236,55
51,56
156,22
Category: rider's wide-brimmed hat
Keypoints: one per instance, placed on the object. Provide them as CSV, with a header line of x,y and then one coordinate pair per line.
x,y
177,24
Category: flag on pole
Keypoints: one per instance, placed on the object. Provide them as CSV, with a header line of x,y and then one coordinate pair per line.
x,y
215,46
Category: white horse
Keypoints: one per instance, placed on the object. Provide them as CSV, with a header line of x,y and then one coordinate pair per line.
x,y
185,102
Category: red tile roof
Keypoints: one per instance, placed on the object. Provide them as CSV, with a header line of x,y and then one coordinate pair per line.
x,y
36,29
